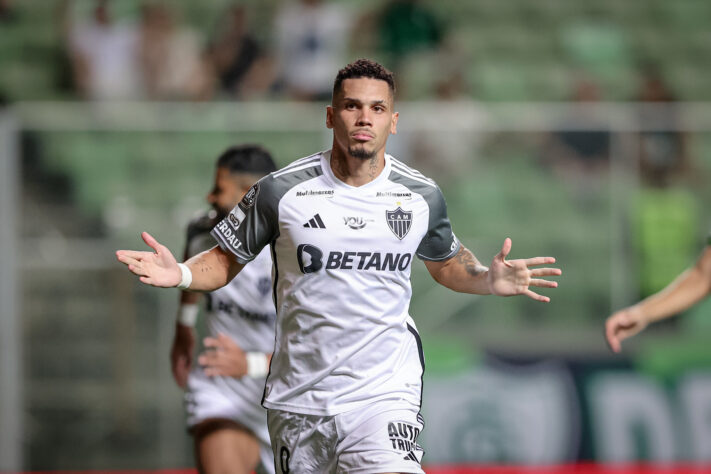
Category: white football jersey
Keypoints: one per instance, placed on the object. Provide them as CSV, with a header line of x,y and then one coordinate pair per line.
x,y
342,258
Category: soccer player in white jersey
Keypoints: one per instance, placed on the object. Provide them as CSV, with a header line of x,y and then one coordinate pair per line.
x,y
687,289
224,392
344,389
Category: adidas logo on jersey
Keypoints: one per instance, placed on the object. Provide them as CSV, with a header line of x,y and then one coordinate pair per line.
x,y
315,223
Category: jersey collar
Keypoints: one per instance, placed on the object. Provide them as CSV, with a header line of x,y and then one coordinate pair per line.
x,y
328,172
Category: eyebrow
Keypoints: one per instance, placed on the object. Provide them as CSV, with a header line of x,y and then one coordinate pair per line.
x,y
375,102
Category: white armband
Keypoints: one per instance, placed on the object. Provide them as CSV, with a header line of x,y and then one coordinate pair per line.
x,y
187,314
186,277
257,364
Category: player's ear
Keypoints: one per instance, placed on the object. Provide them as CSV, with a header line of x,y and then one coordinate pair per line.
x,y
393,123
329,116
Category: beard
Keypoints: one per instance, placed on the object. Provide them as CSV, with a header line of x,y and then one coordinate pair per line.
x,y
217,213
361,153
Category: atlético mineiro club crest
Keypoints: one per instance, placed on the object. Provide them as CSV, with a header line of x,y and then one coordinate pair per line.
x,y
399,222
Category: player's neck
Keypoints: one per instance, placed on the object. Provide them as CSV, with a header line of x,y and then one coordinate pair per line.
x,y
356,171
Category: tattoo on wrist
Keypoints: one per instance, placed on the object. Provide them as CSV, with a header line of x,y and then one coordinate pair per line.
x,y
471,265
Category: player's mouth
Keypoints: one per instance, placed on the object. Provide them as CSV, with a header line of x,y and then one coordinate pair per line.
x,y
362,136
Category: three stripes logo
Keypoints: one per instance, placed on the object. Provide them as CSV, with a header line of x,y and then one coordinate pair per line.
x,y
315,223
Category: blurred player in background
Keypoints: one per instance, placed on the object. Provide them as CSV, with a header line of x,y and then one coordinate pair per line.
x,y
223,394
345,384
686,290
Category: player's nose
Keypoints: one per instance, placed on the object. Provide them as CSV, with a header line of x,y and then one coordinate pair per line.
x,y
363,118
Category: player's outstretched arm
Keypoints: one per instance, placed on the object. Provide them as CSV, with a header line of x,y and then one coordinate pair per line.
x,y
464,273
210,270
686,290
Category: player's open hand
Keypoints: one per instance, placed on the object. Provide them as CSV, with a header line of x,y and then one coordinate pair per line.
x,y
622,325
514,277
181,354
157,268
223,357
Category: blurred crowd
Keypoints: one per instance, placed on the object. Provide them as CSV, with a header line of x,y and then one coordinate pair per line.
x,y
293,48
159,57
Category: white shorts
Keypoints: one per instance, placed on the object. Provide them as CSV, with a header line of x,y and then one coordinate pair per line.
x,y
227,398
380,437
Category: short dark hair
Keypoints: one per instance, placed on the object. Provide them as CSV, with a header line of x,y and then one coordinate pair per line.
x,y
252,159
364,68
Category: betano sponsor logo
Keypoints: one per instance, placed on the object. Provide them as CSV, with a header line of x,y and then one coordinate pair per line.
x,y
368,261
311,260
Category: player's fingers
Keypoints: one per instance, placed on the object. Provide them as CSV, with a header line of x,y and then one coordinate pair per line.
x,y
535,296
610,337
151,241
613,333
537,272
543,283
614,343
622,321
207,358
147,280
139,269
505,249
128,260
211,342
538,261
216,371
137,254
225,341
219,364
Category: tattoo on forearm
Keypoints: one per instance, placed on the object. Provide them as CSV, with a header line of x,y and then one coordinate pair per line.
x,y
203,266
469,262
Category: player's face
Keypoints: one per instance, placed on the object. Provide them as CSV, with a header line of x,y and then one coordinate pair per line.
x,y
362,117
226,193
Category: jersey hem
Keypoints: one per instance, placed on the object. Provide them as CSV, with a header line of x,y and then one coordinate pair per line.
x,y
223,245
310,410
441,259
